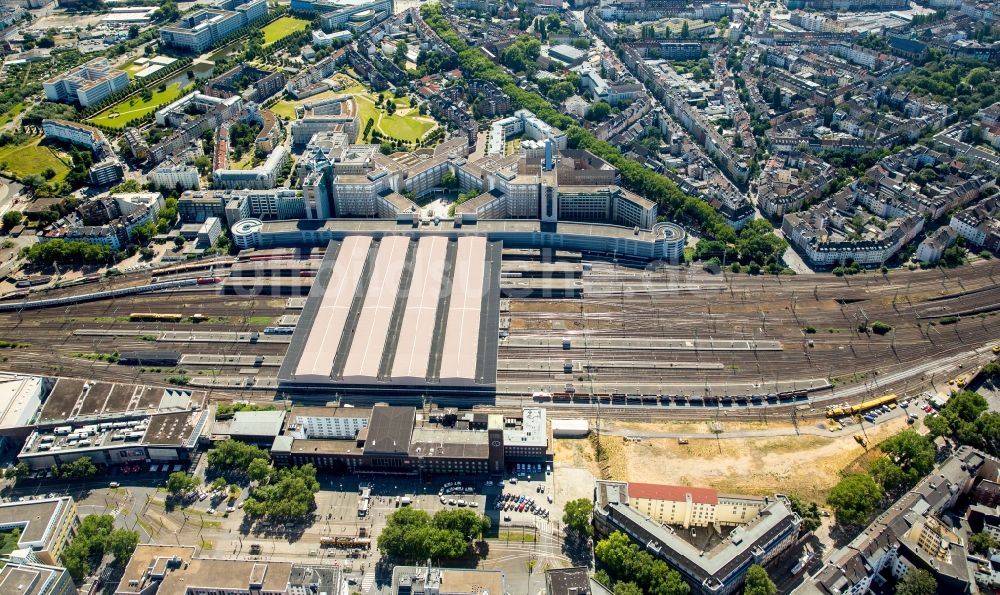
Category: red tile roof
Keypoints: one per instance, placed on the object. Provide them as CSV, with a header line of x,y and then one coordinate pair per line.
x,y
652,491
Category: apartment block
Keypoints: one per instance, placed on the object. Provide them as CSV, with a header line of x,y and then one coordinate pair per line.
x,y
761,530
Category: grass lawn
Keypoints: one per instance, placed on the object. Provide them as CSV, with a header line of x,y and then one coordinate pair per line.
x,y
10,115
282,28
247,162
27,159
405,124
409,127
8,543
119,114
520,537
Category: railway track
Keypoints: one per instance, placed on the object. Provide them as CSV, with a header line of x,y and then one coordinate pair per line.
x,y
745,309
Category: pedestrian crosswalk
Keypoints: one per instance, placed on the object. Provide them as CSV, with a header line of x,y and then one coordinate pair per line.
x,y
367,582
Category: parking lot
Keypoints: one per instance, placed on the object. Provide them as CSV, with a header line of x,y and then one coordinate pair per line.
x,y
525,500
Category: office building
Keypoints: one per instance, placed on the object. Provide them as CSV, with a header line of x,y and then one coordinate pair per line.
x,y
178,570
432,580
107,172
522,122
78,134
27,578
46,526
336,15
177,113
207,27
168,176
264,176
209,232
86,84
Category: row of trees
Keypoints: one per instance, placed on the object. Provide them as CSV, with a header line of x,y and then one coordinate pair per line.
x,y
81,468
908,456
66,252
412,535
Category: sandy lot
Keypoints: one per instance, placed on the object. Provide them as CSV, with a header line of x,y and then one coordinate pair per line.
x,y
807,465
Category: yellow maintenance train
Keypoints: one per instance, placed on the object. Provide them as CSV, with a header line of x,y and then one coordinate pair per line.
x,y
860,407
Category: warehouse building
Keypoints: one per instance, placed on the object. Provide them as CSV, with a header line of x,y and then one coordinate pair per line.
x,y
397,317
20,398
400,440
159,438
114,424
717,564
570,428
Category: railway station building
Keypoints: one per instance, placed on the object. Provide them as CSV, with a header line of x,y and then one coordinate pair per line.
x,y
396,318
401,440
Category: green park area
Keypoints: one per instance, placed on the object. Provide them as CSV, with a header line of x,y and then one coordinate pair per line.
x,y
11,113
405,124
30,158
119,114
282,28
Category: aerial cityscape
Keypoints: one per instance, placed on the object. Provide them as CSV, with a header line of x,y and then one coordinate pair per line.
x,y
495,297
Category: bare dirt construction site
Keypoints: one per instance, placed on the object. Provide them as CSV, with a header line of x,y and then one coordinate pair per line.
x,y
806,465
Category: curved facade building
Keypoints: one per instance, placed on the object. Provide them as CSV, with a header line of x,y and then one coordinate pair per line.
x,y
246,233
